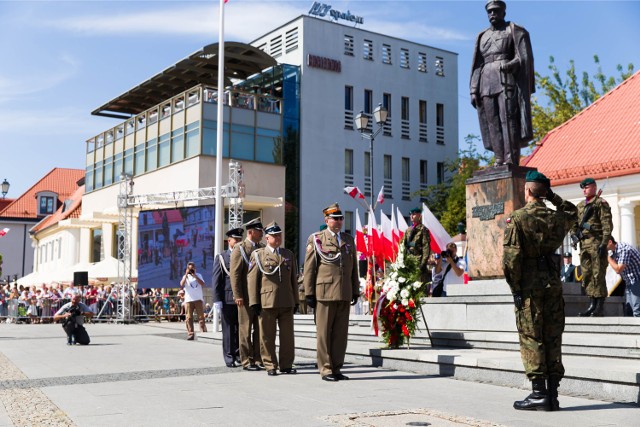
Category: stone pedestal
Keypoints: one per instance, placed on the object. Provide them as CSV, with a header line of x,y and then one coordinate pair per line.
x,y
491,195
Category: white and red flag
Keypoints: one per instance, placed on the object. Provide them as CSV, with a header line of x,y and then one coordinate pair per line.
x,y
402,224
439,236
361,243
380,199
386,236
354,192
374,241
395,233
4,231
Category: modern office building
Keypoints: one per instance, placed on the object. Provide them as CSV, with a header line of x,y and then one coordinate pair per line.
x,y
345,70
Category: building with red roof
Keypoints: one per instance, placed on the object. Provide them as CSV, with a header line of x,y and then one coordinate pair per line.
x,y
39,202
601,142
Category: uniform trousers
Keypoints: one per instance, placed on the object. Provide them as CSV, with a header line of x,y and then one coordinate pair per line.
x,y
198,307
283,317
540,326
248,336
495,111
594,270
332,326
230,350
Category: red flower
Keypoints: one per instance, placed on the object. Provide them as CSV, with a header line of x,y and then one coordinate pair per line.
x,y
401,308
408,315
405,330
412,304
401,320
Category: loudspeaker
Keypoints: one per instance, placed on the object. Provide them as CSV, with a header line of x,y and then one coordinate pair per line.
x,y
81,278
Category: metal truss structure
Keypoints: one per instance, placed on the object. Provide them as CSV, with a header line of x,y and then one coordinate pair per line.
x,y
233,191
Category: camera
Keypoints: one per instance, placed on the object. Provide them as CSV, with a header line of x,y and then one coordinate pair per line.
x,y
192,271
445,254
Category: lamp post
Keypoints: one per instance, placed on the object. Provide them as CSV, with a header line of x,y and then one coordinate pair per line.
x,y
380,115
5,187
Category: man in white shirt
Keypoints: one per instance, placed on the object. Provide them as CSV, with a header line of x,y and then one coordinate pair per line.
x,y
192,284
451,267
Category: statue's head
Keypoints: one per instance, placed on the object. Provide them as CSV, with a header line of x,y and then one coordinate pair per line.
x,y
496,10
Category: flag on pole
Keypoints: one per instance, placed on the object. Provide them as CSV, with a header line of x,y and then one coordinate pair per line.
x,y
4,231
386,236
380,199
439,236
395,233
361,244
354,192
375,247
402,224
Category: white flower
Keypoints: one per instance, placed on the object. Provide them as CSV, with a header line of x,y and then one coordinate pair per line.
x,y
416,285
391,294
394,275
404,294
402,279
405,302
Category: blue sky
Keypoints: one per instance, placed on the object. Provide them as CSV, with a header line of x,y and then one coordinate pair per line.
x,y
62,59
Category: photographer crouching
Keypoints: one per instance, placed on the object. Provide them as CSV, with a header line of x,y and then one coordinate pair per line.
x,y
452,273
72,315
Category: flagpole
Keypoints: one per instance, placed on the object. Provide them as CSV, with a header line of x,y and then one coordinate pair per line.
x,y
219,219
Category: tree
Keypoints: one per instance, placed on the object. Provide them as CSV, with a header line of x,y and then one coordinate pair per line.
x,y
567,96
447,200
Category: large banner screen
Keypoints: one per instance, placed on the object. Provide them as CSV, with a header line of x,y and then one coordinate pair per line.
x,y
168,239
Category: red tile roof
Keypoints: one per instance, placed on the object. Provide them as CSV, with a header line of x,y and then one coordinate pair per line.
x,y
60,180
601,141
74,210
4,203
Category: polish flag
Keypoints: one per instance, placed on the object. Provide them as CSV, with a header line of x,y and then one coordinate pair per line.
x,y
4,231
395,233
354,192
361,244
380,199
402,224
386,236
439,236
375,247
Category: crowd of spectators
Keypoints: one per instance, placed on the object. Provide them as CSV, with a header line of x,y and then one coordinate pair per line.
x,y
38,304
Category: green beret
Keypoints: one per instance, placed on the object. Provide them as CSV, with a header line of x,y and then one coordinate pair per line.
x,y
416,210
586,182
323,227
535,176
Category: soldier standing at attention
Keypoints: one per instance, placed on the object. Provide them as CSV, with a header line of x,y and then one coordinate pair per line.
x,y
224,302
417,242
532,271
330,283
249,339
593,230
273,296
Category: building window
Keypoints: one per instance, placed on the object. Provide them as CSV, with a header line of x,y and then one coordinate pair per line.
x,y
386,103
367,173
423,173
367,50
348,222
46,205
406,178
348,98
368,101
387,166
422,110
405,108
139,159
404,58
440,171
439,66
96,245
276,46
348,162
291,40
439,123
388,173
406,173
386,54
263,47
422,62
348,45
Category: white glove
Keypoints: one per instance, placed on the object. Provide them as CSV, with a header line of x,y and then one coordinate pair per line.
x,y
217,305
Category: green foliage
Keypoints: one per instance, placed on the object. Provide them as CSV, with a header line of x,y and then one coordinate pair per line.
x,y
447,200
567,96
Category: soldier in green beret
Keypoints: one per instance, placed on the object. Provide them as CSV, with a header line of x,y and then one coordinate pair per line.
x,y
593,230
532,235
417,242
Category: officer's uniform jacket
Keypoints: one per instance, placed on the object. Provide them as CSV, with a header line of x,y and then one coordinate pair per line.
x,y
600,223
272,279
222,290
240,259
326,275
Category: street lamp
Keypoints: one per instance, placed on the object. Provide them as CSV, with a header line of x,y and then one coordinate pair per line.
x,y
362,121
5,187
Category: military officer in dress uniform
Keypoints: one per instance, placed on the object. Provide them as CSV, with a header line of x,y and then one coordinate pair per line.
x,y
249,328
223,300
417,242
593,230
532,235
331,283
273,296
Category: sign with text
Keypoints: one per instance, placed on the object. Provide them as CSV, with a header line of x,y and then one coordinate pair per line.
x,y
324,63
321,10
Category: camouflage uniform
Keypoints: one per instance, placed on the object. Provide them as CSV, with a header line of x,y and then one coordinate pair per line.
x,y
596,234
417,242
532,235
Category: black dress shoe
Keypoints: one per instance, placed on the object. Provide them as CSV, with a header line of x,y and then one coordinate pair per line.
x,y
260,366
330,377
190,338
251,368
289,371
272,372
232,365
341,377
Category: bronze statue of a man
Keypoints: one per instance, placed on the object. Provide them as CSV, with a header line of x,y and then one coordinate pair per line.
x,y
502,81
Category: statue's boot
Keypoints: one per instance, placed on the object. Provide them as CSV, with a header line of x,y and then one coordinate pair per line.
x,y
553,384
592,307
598,311
536,401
